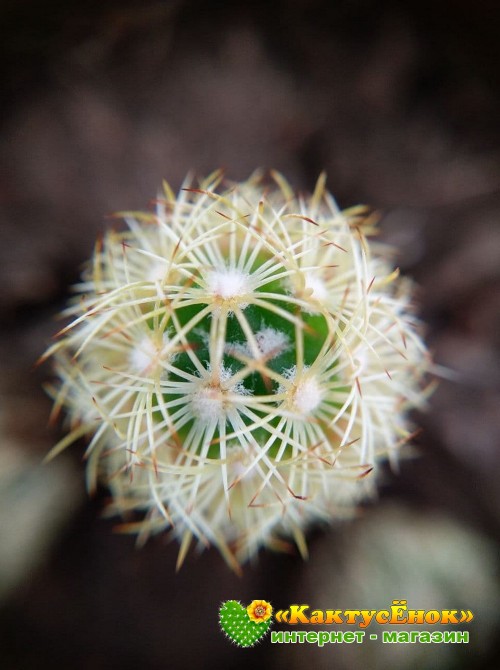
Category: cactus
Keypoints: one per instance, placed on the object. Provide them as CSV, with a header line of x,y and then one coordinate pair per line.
x,y
242,359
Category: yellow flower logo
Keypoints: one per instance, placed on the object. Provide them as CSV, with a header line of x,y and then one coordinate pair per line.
x,y
259,611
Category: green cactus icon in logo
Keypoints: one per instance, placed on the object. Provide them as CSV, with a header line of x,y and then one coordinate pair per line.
x,y
245,626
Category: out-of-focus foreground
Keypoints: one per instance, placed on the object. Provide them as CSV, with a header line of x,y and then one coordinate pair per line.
x,y
399,103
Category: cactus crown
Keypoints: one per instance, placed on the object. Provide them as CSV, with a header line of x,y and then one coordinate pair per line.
x,y
241,359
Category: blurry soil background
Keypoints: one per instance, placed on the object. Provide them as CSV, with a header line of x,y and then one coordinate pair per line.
x,y
399,103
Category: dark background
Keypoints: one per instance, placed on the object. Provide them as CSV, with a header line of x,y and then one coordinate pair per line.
x,y
399,103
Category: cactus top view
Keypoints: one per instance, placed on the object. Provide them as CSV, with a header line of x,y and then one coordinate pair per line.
x,y
241,359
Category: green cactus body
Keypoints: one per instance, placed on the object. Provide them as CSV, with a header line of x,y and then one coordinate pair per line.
x,y
241,360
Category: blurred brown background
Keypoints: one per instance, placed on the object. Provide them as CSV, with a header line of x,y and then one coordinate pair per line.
x,y
399,102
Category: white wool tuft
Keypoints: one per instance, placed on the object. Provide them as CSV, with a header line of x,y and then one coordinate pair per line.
x,y
210,399
146,353
307,395
228,283
271,343
208,403
305,392
317,286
